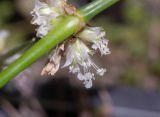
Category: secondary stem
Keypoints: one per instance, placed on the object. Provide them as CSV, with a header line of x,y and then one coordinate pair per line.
x,y
95,7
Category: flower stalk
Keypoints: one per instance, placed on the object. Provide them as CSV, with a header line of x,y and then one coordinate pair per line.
x,y
63,28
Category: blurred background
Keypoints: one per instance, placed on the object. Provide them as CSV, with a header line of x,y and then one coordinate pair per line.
x,y
130,88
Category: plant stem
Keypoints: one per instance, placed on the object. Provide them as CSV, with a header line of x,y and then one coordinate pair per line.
x,y
62,30
95,7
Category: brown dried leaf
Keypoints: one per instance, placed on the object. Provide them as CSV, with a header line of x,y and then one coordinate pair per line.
x,y
70,9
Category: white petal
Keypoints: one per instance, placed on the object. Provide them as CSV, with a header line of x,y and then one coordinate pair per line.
x,y
88,80
80,76
88,83
74,69
101,71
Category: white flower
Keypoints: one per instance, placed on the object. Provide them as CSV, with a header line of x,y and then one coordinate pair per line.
x,y
79,62
95,35
78,55
44,13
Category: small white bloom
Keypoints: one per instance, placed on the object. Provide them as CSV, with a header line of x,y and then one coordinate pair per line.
x,y
79,62
95,35
44,13
101,71
88,79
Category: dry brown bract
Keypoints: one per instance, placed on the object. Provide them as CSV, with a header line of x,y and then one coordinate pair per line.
x,y
53,66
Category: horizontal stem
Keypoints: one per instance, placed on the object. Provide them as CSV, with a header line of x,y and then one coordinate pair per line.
x,y
61,31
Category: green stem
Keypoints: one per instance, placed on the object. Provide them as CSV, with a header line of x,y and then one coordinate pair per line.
x,y
95,7
62,30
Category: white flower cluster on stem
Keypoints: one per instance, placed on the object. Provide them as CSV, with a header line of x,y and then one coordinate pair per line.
x,y
44,13
78,55
79,61
76,50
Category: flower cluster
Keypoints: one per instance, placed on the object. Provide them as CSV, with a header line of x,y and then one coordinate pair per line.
x,y
76,50
78,55
79,61
44,14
